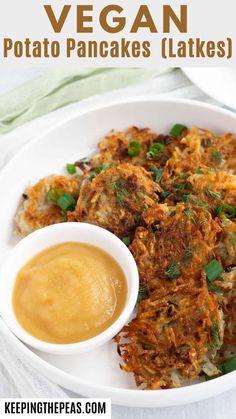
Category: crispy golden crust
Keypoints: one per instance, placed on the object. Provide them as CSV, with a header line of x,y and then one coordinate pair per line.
x,y
116,199
183,235
201,148
113,149
226,250
169,339
36,211
168,203
230,318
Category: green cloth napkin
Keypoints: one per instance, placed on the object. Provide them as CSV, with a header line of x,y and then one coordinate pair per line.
x,y
55,89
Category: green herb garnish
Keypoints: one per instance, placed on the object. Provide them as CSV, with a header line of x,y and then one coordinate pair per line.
x,y
121,191
163,194
98,170
190,213
102,168
71,168
188,252
154,150
126,240
173,271
201,204
54,194
216,156
180,186
186,198
215,334
177,130
157,173
213,270
229,365
213,194
63,199
226,211
199,171
120,197
134,148
66,202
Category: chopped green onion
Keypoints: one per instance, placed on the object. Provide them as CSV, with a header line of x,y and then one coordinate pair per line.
x,y
157,173
216,156
173,271
190,213
71,168
177,130
119,197
134,148
164,194
226,211
215,333
186,198
179,185
188,252
126,240
98,170
121,191
66,202
199,171
53,194
229,365
213,270
102,168
201,204
155,150
213,194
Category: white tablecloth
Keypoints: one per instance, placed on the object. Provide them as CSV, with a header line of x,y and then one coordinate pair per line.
x,y
18,379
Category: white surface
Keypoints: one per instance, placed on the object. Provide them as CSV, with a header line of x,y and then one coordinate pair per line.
x,y
219,83
9,79
50,236
83,373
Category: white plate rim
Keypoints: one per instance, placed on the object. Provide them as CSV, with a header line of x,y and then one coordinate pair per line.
x,y
137,398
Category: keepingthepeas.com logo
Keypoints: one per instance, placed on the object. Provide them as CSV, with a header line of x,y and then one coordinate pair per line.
x,y
99,408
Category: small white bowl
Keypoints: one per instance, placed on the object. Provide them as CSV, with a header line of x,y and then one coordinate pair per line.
x,y
52,235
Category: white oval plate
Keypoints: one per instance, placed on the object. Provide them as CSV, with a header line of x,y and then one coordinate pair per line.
x,y
217,82
97,373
